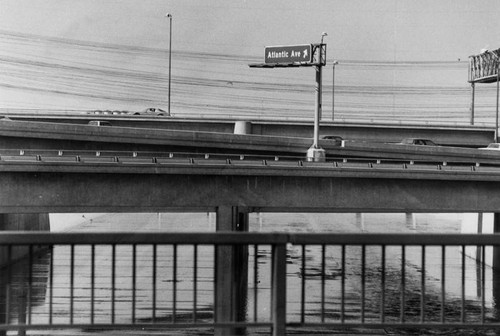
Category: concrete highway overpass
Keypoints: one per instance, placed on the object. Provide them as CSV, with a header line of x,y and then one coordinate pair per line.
x,y
25,135
41,184
447,135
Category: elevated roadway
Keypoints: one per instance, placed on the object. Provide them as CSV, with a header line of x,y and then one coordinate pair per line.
x,y
63,136
99,182
446,135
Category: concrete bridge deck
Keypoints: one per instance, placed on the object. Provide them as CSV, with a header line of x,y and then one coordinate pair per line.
x,y
39,184
44,135
447,135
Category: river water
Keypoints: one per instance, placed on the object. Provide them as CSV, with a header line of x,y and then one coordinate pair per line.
x,y
263,222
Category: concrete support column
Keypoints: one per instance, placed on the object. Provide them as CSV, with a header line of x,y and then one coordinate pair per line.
x,y
21,222
24,222
242,127
231,272
16,222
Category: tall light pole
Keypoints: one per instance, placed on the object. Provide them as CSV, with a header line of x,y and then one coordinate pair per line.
x,y
333,89
169,60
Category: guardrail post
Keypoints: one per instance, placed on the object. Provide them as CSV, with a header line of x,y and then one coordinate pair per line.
x,y
231,273
278,290
496,263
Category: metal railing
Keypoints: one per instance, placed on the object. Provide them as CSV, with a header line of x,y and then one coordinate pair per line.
x,y
127,158
484,67
143,281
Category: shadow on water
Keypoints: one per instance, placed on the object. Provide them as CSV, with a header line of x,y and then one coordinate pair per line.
x,y
23,285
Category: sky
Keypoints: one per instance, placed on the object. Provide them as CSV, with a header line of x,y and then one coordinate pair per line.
x,y
398,60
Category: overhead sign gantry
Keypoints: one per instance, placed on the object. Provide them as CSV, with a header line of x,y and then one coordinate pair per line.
x,y
298,56
301,53
485,68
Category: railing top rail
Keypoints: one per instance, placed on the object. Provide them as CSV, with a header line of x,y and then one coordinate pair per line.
x,y
238,238
77,157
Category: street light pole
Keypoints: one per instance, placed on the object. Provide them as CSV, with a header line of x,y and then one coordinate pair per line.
x,y
333,90
169,60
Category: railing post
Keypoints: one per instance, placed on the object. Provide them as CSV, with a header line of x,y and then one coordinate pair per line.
x,y
231,273
278,290
496,265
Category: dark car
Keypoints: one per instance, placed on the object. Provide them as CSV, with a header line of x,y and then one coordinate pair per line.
x,y
418,142
152,111
334,139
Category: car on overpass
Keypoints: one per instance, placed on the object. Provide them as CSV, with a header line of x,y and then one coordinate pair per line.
x,y
417,141
152,111
492,146
333,139
114,112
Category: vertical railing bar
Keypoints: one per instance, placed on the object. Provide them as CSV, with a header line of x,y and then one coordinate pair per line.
x,y
483,283
255,281
462,318
7,303
303,285
195,281
214,276
72,283
7,287
134,280
363,283
174,285
323,270
382,285
403,283
155,246
443,280
422,284
51,280
92,284
342,287
30,282
113,282
278,289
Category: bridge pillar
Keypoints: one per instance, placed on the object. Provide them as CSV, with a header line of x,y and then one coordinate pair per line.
x,y
16,222
242,127
21,222
231,272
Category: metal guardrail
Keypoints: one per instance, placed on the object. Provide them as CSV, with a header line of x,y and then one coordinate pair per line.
x,y
484,67
144,281
217,159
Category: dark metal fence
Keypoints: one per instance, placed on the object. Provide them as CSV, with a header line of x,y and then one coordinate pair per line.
x,y
144,281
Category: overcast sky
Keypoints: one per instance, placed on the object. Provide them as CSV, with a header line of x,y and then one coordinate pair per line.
x,y
394,55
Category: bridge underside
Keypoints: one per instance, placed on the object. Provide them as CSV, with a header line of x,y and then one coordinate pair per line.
x,y
98,188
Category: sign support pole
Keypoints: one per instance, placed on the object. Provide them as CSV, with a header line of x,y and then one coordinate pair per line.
x,y
473,90
317,111
315,153
297,56
496,114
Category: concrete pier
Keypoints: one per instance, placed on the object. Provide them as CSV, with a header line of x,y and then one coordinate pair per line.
x,y
231,276
21,222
